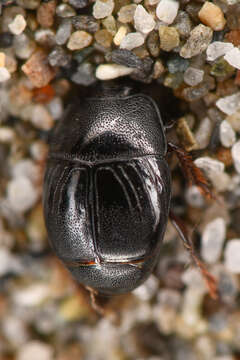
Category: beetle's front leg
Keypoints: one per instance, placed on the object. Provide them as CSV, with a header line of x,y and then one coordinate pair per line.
x,y
193,174
187,241
94,302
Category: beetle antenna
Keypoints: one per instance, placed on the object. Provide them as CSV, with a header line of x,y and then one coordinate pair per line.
x,y
187,241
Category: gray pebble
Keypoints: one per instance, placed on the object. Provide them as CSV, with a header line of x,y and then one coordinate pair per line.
x,y
63,32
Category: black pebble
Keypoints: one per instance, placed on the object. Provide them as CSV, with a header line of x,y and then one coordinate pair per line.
x,y
6,40
79,4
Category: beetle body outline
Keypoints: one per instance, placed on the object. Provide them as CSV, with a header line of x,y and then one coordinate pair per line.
x,y
107,191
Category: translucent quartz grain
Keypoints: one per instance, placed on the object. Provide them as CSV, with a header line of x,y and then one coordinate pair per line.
x,y
65,11
102,9
63,32
24,46
132,40
233,57
212,240
18,25
214,170
143,21
35,350
217,49
21,194
236,155
203,132
227,134
229,104
167,10
4,74
232,256
193,76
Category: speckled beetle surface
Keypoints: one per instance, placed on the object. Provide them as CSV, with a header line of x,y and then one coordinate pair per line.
x,y
107,190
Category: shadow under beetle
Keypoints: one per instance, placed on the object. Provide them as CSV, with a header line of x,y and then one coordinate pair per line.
x,y
107,191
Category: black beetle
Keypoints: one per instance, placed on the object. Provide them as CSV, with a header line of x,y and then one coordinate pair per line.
x,y
107,190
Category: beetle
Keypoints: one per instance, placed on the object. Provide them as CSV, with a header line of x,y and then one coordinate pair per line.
x,y
107,190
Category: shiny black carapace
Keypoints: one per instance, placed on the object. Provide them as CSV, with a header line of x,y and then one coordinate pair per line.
x,y
107,190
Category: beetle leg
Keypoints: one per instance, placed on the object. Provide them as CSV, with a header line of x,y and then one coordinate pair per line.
x,y
106,311
187,241
169,125
193,174
95,305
